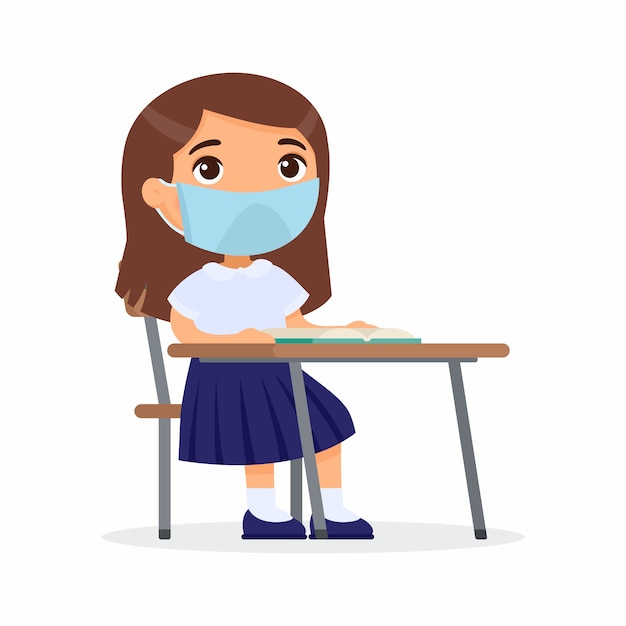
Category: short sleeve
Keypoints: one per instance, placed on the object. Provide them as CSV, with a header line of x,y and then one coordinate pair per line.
x,y
188,296
288,291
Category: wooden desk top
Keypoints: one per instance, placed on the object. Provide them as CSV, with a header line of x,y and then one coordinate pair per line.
x,y
338,352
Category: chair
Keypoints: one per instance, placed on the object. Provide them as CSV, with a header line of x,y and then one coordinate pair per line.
x,y
164,411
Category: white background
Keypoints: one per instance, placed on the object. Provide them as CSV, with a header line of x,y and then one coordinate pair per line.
x,y
477,195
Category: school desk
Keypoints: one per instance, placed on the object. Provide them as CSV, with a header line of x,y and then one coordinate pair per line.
x,y
296,354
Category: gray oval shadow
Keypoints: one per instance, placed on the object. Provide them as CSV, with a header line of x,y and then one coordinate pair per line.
x,y
389,537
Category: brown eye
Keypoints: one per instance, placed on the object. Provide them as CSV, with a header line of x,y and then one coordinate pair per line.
x,y
208,170
292,168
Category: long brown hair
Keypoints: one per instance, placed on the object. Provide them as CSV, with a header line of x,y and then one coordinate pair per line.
x,y
155,258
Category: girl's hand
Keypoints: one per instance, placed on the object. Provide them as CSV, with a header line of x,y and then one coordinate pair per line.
x,y
360,324
252,335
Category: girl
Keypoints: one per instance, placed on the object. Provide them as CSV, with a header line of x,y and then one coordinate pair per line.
x,y
224,181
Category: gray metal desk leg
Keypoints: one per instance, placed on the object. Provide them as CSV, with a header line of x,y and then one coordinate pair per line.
x,y
163,396
468,450
308,450
296,489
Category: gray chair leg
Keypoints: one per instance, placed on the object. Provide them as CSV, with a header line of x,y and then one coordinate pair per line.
x,y
165,488
308,450
467,448
163,396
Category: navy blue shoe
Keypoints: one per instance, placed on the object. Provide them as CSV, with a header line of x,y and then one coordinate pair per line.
x,y
255,528
359,529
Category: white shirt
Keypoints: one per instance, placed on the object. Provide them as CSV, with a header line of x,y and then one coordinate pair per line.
x,y
223,300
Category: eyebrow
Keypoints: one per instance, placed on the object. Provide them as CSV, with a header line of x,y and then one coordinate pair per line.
x,y
204,144
292,142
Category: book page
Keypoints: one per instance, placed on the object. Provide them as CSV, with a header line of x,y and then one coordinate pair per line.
x,y
365,333
341,334
344,333
386,333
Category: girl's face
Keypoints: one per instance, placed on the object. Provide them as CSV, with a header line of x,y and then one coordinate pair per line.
x,y
233,155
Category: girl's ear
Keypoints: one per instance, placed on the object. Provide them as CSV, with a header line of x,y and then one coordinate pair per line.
x,y
159,196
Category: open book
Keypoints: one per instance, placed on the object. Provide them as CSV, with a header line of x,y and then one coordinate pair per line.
x,y
341,335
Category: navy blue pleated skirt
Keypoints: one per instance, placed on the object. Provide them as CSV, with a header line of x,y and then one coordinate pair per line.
x,y
244,413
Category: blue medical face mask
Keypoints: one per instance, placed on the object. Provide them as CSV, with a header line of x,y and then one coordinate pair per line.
x,y
244,223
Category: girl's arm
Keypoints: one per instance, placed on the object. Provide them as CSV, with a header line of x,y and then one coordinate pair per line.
x,y
186,332
296,320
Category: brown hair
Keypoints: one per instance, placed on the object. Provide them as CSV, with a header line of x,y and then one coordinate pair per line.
x,y
155,258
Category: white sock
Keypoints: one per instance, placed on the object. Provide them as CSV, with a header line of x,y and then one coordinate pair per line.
x,y
332,499
262,504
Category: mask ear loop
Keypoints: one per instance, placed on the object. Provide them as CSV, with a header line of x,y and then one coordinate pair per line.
x,y
174,228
